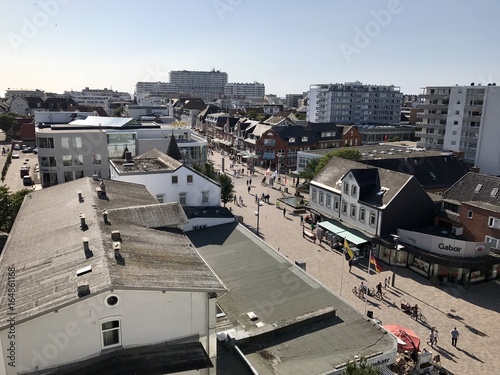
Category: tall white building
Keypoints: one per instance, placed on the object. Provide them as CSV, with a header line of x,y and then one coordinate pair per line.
x,y
206,85
98,97
463,119
354,103
154,89
25,93
247,90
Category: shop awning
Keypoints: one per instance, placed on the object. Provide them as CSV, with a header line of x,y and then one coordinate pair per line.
x,y
344,233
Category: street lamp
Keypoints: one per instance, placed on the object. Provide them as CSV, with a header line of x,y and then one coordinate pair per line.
x,y
259,203
397,248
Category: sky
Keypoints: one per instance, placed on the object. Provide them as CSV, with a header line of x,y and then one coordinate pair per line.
x,y
58,45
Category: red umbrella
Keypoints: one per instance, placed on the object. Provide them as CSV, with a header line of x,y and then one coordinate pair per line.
x,y
407,339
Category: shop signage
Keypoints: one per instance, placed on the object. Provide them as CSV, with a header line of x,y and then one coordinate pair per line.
x,y
449,246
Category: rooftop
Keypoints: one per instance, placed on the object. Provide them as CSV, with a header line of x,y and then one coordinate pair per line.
x,y
154,254
301,327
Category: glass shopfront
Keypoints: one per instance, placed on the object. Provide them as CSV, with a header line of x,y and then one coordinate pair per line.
x,y
388,255
418,265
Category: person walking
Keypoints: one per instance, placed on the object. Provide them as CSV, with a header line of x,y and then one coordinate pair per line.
x,y
301,220
284,211
430,338
350,265
386,281
249,188
436,336
454,336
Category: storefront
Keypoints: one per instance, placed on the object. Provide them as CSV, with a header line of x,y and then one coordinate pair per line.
x,y
443,259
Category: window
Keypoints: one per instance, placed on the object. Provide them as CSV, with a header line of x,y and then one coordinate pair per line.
x,y
362,214
183,198
494,222
353,190
77,159
204,197
336,204
304,139
71,142
469,214
455,122
269,142
68,176
78,174
453,143
96,159
321,198
314,193
353,210
495,242
175,180
110,334
372,218
328,201
46,142
291,140
67,160
346,188
189,178
457,112
52,161
344,207
160,198
454,132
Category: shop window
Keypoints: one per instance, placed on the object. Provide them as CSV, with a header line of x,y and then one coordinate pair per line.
x,y
469,214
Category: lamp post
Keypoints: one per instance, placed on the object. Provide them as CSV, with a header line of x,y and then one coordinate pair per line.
x,y
397,248
259,203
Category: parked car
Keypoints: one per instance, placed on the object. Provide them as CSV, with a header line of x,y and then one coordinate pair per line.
x,y
15,155
27,181
35,150
16,147
26,149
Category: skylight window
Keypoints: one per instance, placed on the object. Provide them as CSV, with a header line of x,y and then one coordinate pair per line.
x,y
382,191
494,192
432,175
84,270
478,188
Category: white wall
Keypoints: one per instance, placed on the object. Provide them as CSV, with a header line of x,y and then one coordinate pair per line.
x,y
488,151
74,332
161,183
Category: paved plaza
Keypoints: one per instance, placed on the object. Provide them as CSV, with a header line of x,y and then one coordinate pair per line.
x,y
474,311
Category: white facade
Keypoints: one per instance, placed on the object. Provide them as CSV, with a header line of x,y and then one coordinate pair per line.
x,y
137,111
98,97
354,103
10,93
147,89
46,117
182,185
463,119
206,85
248,90
66,155
145,317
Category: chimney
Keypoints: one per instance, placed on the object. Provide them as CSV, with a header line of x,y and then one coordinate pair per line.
x,y
475,169
115,236
85,244
80,197
83,224
128,156
116,248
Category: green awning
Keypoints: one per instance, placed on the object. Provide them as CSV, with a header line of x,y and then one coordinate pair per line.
x,y
343,232
352,238
331,227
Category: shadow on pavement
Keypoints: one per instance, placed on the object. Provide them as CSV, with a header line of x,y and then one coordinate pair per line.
x,y
469,354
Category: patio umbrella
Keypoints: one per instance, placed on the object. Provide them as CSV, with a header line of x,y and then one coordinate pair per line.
x,y
407,339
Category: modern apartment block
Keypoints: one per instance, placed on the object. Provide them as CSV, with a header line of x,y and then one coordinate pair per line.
x,y
206,85
98,97
354,103
154,89
463,119
247,90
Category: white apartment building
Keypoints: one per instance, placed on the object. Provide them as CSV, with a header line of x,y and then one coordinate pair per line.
x,y
25,93
247,90
354,103
154,89
206,85
463,119
67,152
98,97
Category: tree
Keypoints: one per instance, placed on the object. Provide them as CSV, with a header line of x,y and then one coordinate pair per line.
x,y
206,169
361,368
7,122
310,169
9,206
226,189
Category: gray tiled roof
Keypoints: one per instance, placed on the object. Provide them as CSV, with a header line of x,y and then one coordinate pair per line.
x,y
46,247
372,182
467,189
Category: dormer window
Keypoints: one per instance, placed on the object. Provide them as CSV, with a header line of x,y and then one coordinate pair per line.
x,y
304,139
291,140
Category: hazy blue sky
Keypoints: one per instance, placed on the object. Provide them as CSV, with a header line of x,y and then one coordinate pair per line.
x,y
58,45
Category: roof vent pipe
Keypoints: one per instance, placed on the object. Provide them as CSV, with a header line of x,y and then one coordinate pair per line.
x,y
115,235
83,224
80,196
85,244
105,216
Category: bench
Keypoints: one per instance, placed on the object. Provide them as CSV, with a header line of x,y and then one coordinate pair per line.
x,y
310,235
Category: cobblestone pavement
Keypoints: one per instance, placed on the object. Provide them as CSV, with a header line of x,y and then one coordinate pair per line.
x,y
474,311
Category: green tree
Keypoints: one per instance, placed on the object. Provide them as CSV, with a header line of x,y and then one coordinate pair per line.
x,y
314,166
226,189
7,122
310,169
9,206
361,368
207,169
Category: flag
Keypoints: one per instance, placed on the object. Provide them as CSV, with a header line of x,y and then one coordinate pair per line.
x,y
268,171
348,249
377,266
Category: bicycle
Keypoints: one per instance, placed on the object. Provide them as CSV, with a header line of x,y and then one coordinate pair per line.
x,y
419,316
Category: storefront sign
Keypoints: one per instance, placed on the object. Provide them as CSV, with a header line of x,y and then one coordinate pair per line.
x,y
444,245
